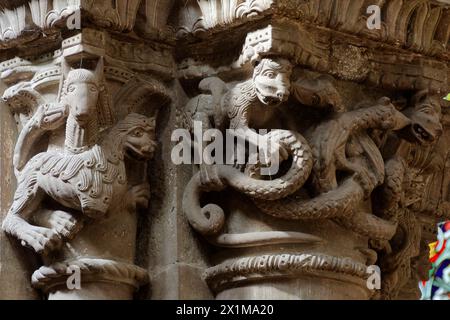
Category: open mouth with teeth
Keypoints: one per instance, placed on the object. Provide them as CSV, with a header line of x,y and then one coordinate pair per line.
x,y
422,134
137,153
270,100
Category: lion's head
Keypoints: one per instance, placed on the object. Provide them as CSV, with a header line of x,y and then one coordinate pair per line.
x,y
138,136
271,78
425,115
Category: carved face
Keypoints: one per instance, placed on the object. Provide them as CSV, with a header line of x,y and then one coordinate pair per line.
x,y
81,94
425,116
140,143
272,81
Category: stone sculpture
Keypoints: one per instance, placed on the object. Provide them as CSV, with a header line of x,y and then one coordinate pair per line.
x,y
344,171
239,108
86,181
413,156
99,183
341,144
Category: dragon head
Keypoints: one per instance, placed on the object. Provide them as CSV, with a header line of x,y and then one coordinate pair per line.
x,y
271,78
425,115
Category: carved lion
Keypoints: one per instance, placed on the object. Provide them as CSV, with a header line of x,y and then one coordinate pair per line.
x,y
92,182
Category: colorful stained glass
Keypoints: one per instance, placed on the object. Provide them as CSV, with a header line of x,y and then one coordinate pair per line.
x,y
438,285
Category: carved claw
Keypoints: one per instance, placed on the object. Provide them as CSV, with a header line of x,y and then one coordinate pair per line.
x,y
41,240
362,174
139,196
366,180
253,168
65,224
210,179
272,153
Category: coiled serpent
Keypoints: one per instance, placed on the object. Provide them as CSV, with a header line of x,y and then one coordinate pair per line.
x,y
210,219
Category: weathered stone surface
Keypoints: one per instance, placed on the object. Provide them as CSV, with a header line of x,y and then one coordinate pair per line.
x,y
351,171
15,265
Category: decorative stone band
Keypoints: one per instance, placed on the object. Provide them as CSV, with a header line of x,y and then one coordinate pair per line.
x,y
282,265
91,270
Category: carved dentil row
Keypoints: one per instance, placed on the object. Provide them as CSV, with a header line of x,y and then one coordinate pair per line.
x,y
321,50
420,26
25,21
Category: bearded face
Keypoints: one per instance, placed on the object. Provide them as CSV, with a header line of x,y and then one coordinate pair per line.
x,y
272,81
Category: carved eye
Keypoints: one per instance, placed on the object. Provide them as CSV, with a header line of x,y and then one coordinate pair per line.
x,y
93,88
270,74
71,88
427,109
138,133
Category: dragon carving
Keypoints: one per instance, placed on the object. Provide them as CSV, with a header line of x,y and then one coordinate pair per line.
x,y
236,107
248,105
413,155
